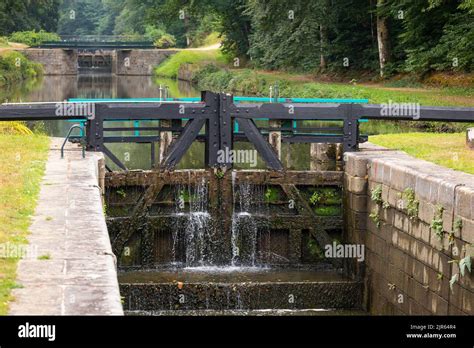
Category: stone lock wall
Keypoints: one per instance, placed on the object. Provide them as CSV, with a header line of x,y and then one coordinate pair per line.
x,y
399,207
131,62
54,61
138,62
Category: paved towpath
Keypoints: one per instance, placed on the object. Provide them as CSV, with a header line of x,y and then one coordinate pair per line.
x,y
73,272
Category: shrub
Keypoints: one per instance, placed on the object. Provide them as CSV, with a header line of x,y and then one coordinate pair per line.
x,y
153,33
14,67
33,38
165,41
217,81
170,67
248,83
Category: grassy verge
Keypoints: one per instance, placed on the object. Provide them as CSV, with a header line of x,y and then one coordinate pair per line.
x,y
169,68
254,82
210,74
21,168
257,82
448,150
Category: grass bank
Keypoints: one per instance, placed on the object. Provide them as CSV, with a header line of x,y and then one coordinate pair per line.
x,y
215,77
15,67
169,68
448,150
255,82
445,149
211,73
21,168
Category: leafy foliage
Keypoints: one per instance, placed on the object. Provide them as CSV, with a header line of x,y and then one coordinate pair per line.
x,y
271,195
375,217
15,67
463,264
422,36
437,223
376,194
412,204
165,41
14,128
33,38
20,15
170,67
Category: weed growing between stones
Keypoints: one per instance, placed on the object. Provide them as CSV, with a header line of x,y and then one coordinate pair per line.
x,y
412,205
376,194
437,223
374,215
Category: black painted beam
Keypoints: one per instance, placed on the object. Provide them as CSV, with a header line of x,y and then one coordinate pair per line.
x,y
114,159
144,111
426,113
285,111
261,144
131,139
179,147
34,112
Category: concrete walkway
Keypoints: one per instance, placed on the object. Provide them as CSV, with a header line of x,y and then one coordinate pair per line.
x,y
73,272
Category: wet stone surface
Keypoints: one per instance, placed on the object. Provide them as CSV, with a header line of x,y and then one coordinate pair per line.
x,y
195,290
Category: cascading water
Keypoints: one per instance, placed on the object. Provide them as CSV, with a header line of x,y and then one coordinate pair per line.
x,y
194,243
192,205
247,204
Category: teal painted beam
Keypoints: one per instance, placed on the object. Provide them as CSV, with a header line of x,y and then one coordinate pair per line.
x,y
237,99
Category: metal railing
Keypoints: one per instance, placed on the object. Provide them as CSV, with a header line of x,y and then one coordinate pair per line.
x,y
68,137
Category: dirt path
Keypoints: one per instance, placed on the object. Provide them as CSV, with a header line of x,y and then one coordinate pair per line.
x,y
12,46
204,48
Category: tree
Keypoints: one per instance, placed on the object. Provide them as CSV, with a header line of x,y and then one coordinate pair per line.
x,y
80,17
22,15
383,37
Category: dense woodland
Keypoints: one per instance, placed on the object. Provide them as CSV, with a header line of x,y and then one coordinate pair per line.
x,y
382,36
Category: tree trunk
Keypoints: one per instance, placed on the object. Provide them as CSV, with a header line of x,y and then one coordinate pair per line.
x,y
323,35
383,39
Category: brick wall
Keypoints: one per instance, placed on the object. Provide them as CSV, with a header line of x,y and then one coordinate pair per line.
x,y
408,267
